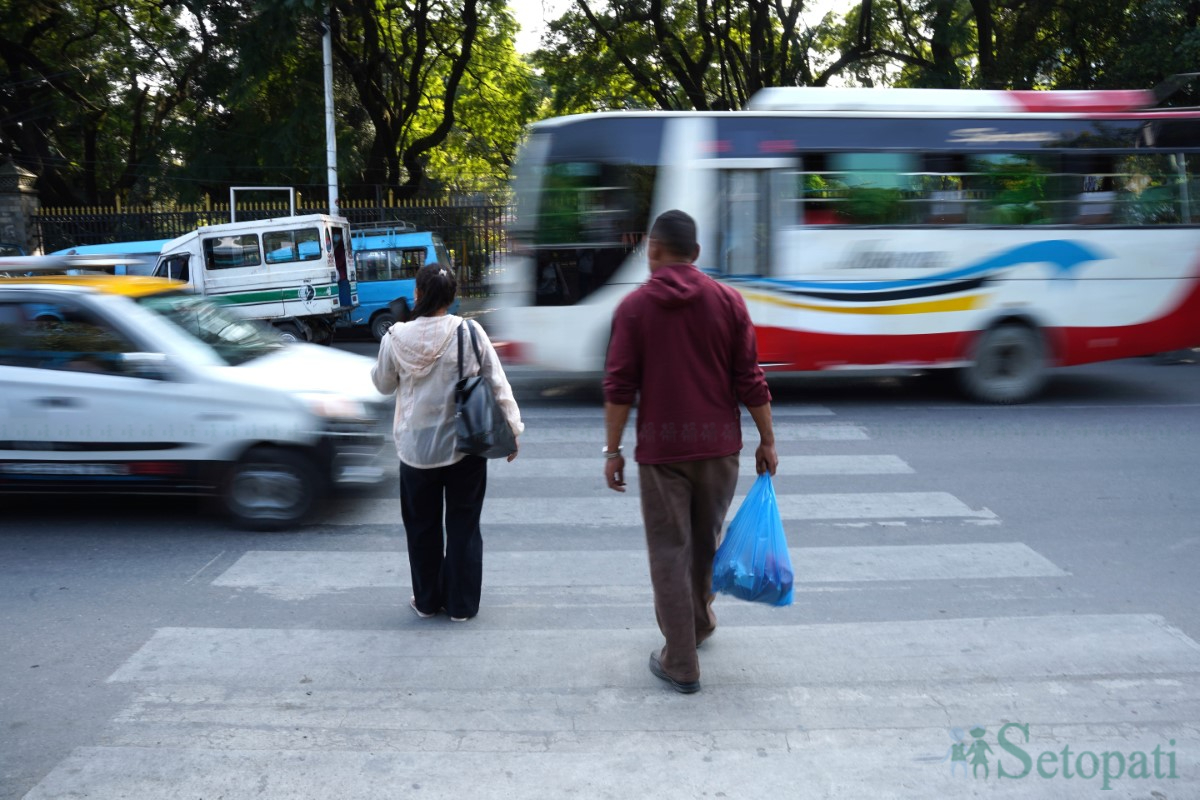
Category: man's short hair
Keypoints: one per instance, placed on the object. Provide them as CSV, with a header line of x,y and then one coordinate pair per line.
x,y
676,232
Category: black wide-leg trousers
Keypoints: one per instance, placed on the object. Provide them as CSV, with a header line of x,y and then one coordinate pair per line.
x,y
446,562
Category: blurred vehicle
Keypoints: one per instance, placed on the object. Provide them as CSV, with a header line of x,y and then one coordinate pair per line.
x,y
129,384
992,235
11,249
129,258
293,272
387,259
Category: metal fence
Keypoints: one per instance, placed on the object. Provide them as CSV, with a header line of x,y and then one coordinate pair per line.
x,y
473,229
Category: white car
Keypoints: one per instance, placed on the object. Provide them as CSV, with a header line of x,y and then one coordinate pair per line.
x,y
125,384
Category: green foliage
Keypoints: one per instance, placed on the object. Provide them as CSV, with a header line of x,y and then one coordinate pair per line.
x,y
675,54
1017,192
872,205
495,101
149,102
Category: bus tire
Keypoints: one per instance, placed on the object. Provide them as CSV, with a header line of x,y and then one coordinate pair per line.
x,y
291,332
270,489
1008,365
380,324
322,332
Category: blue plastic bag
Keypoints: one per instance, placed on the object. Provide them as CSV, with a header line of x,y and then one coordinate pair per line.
x,y
752,562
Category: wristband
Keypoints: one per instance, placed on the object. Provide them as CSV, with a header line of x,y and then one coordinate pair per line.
x,y
611,454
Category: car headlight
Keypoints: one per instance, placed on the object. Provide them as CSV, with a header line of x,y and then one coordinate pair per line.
x,y
335,406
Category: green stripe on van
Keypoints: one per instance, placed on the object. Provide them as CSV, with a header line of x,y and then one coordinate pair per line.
x,y
273,295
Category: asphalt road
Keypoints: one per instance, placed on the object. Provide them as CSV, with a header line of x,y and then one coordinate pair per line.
x,y
957,565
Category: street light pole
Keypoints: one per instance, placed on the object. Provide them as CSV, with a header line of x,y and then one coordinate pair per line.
x,y
330,129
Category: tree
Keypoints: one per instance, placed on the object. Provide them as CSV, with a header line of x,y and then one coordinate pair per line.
x,y
496,98
408,62
678,54
90,90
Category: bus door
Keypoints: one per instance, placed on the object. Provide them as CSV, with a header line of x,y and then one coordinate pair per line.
x,y
750,205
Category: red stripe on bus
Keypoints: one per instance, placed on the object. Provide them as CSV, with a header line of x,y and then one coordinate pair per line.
x,y
1084,102
788,349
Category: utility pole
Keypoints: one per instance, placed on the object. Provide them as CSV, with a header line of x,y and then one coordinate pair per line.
x,y
330,128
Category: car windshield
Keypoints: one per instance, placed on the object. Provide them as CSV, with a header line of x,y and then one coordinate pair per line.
x,y
235,339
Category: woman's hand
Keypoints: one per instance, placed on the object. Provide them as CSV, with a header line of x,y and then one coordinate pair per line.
x,y
513,454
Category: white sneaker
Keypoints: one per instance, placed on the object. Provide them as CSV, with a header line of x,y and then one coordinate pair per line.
x,y
412,602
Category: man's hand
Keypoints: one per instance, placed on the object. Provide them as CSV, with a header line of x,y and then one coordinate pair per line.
x,y
513,454
614,473
765,459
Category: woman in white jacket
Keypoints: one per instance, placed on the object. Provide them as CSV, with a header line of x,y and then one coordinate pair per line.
x,y
418,360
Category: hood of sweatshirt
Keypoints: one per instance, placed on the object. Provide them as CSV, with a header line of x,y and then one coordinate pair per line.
x,y
675,285
419,344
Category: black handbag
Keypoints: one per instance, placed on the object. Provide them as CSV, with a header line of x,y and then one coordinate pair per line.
x,y
479,421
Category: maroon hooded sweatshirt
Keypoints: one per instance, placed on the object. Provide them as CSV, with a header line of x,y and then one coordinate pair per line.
x,y
683,348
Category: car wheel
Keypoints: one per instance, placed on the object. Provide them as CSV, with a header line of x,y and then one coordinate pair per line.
x,y
271,489
1008,365
380,324
291,332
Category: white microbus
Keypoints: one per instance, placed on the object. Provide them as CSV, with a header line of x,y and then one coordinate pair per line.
x,y
295,272
992,233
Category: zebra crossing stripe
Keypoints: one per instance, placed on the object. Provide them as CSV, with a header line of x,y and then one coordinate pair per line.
x,y
439,656
299,574
525,468
669,765
624,509
792,432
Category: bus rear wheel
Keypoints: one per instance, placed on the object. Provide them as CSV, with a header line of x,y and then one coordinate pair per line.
x,y
290,332
1008,365
322,332
380,324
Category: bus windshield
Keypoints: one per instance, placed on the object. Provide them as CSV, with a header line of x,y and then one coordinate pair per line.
x,y
586,204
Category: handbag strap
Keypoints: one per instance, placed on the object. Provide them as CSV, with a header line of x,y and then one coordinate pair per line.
x,y
474,346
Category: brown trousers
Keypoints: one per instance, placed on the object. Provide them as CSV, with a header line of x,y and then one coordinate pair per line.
x,y
683,508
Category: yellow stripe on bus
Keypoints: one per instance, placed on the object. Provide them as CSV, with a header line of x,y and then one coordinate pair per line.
x,y
966,303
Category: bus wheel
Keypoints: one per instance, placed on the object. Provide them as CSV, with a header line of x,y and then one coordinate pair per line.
x,y
1008,365
270,489
322,332
380,324
290,332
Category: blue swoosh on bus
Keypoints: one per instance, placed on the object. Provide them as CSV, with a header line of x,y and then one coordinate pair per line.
x,y
1063,257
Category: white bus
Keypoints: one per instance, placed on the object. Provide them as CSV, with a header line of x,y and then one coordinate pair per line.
x,y
297,272
996,234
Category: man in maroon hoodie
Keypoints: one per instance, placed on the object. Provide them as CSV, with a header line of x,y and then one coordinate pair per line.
x,y
683,348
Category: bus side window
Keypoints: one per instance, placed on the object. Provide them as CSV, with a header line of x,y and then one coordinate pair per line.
x,y
308,244
1016,189
231,252
1096,201
947,183
1154,190
876,188
412,260
371,265
817,192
